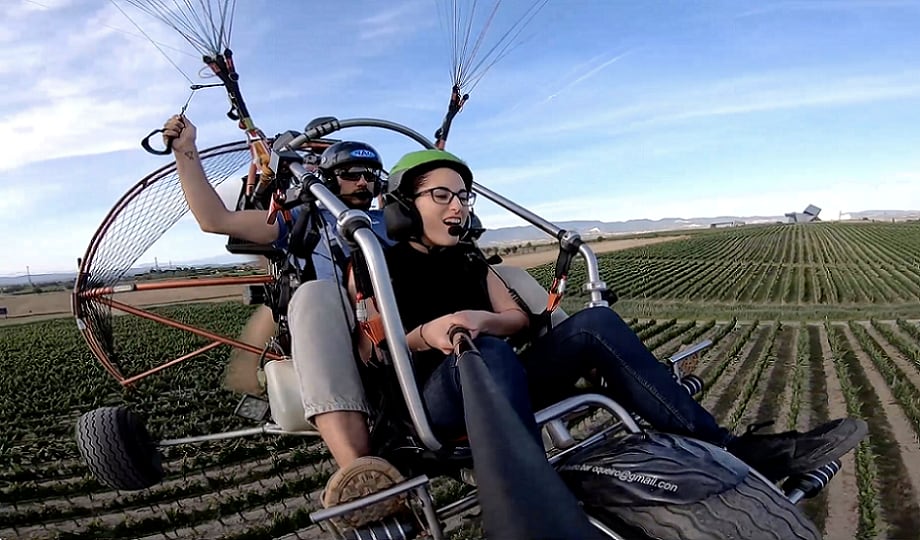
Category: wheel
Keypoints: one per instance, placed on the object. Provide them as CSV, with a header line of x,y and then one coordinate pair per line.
x,y
661,486
117,449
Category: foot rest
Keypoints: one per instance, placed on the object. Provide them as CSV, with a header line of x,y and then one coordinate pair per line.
x,y
395,528
807,485
692,384
417,483
675,361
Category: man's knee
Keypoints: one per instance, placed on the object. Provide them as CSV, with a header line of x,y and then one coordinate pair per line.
x,y
319,297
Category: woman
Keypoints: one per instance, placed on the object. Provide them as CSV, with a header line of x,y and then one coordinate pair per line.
x,y
437,286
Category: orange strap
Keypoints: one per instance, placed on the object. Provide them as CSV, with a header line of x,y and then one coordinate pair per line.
x,y
373,329
273,208
556,292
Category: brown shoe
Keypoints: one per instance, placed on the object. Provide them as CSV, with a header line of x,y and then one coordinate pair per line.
x,y
364,476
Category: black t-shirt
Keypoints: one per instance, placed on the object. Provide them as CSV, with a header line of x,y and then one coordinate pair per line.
x,y
430,285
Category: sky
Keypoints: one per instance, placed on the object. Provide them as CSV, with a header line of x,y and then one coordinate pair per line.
x,y
607,110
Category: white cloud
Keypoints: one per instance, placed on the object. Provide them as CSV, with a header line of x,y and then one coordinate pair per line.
x,y
401,19
652,107
88,90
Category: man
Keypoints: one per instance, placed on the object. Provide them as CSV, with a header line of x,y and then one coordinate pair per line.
x,y
321,335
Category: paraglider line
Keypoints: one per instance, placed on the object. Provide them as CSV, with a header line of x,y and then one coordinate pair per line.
x,y
141,30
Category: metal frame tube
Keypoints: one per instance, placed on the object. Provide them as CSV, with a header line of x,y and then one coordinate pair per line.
x,y
570,404
594,284
360,122
523,213
270,429
341,509
459,506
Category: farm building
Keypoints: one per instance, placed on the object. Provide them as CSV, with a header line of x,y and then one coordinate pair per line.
x,y
810,214
720,224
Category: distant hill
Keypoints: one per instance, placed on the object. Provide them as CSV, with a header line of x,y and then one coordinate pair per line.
x,y
519,235
527,233
885,214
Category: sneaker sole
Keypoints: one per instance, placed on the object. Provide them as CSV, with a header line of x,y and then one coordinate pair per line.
x,y
847,435
369,476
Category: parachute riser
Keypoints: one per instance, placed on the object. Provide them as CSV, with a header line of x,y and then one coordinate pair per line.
x,y
223,67
454,106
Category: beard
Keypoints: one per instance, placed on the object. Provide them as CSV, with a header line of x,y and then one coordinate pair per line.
x,y
360,200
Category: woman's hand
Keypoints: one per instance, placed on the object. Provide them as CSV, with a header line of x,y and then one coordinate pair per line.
x,y
182,131
435,333
473,320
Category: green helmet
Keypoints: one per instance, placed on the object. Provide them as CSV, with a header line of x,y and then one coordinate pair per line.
x,y
414,164
402,219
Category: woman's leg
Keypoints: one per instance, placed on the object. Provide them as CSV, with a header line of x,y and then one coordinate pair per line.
x,y
597,338
443,392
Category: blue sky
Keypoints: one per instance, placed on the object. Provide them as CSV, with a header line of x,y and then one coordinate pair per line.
x,y
613,110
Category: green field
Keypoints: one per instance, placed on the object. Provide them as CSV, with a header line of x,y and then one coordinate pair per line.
x,y
809,322
804,271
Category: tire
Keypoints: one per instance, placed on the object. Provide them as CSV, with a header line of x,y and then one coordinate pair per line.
x,y
709,493
751,511
118,449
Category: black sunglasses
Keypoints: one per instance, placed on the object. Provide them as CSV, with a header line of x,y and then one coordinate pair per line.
x,y
354,175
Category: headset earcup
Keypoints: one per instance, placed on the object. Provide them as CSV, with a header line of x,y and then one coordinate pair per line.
x,y
402,220
331,183
378,187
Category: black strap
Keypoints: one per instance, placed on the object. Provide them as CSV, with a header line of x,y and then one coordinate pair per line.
x,y
363,285
339,259
303,239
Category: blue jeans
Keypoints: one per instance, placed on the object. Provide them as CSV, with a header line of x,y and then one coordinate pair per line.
x,y
598,339
443,394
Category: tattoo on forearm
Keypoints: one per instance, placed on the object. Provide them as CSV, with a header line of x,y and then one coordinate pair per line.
x,y
190,154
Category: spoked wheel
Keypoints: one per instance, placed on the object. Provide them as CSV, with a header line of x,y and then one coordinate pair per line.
x,y
118,449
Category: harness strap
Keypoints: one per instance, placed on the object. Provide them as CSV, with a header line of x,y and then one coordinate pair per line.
x,y
373,327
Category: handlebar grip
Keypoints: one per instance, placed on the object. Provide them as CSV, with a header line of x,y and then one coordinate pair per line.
x,y
145,143
455,330
322,126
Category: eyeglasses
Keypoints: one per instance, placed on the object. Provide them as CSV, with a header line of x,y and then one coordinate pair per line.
x,y
354,175
442,195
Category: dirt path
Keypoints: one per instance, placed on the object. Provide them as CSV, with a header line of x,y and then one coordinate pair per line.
x,y
842,500
34,307
529,260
